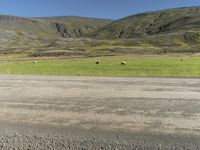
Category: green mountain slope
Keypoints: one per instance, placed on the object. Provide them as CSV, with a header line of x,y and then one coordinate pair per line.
x,y
171,30
171,21
36,32
73,26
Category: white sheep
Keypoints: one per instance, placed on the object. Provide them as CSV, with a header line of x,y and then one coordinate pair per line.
x,y
123,63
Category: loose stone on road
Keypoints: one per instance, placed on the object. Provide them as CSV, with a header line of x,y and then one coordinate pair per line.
x,y
48,112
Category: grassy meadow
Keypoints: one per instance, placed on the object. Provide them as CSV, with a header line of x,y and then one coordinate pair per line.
x,y
156,65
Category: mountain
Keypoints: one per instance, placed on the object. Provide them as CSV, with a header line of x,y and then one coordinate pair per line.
x,y
35,32
74,26
165,22
173,30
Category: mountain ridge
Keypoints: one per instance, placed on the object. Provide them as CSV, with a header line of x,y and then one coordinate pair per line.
x,y
163,28
143,24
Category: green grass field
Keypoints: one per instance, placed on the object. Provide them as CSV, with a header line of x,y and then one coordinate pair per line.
x,y
109,66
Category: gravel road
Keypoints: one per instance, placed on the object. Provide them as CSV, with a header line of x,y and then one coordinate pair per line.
x,y
47,112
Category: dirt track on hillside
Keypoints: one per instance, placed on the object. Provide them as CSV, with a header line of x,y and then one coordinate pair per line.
x,y
42,112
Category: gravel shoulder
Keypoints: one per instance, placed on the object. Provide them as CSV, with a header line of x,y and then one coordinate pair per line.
x,y
47,112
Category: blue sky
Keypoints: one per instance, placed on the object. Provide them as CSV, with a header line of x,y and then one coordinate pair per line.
x,y
90,8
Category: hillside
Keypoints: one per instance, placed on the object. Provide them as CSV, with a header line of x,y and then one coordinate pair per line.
x,y
171,21
36,32
171,30
74,26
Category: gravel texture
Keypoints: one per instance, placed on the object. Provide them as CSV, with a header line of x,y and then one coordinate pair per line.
x,y
47,112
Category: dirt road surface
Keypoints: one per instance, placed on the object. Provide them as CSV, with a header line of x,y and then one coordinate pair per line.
x,y
46,112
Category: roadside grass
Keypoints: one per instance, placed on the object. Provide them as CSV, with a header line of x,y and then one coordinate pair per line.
x,y
163,66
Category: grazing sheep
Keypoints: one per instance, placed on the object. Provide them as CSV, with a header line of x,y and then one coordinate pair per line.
x,y
35,62
123,63
97,62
